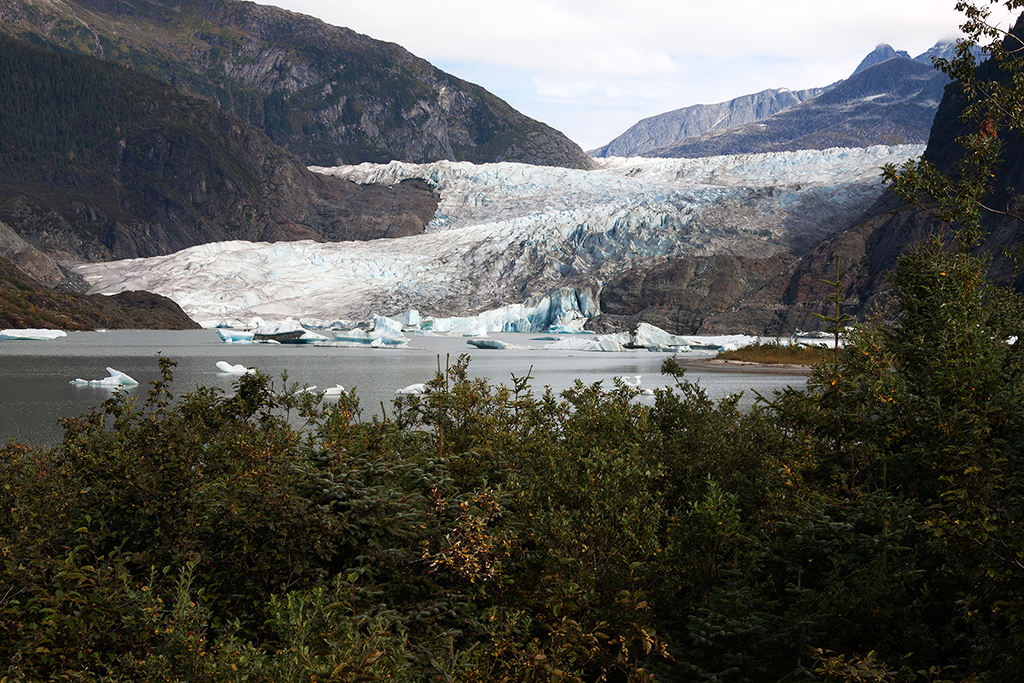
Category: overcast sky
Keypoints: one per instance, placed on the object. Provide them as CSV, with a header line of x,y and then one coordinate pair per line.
x,y
593,68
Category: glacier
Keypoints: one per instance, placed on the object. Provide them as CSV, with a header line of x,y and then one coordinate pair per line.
x,y
518,248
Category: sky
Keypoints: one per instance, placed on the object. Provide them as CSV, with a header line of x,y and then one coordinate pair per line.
x,y
593,68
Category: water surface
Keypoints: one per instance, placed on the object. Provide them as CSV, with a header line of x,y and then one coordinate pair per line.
x,y
37,392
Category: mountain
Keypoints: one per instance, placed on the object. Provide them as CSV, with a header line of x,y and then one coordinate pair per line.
x,y
890,105
881,53
27,302
327,94
101,162
666,129
789,293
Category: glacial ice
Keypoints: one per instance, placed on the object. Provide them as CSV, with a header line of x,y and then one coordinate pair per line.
x,y
115,379
31,334
229,369
229,336
514,247
334,392
657,339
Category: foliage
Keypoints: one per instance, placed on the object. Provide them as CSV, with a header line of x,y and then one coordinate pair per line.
x,y
775,352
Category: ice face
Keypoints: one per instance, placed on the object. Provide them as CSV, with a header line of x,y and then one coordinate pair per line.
x,y
31,334
514,247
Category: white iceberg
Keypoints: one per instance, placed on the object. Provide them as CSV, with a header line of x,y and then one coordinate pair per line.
x,y
334,392
286,334
229,369
656,339
116,379
605,342
31,334
487,343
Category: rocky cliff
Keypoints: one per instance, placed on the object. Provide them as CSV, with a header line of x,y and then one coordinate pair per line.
x,y
327,94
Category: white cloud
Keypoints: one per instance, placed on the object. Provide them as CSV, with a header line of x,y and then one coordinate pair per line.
x,y
549,58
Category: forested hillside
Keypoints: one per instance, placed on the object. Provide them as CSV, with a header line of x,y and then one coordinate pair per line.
x,y
101,162
326,94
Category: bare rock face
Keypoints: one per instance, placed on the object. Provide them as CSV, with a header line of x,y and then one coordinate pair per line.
x,y
703,295
890,103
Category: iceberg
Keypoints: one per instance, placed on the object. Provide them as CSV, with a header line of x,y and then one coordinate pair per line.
x,y
230,336
386,332
656,339
607,343
229,369
497,344
334,392
285,334
31,334
115,379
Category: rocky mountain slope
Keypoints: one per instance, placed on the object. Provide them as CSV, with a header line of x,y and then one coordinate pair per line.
x,y
99,162
890,103
26,302
729,127
672,127
327,94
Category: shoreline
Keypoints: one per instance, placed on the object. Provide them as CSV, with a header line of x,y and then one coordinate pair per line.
x,y
743,366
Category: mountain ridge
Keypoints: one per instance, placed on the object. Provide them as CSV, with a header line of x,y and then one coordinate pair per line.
x,y
101,162
731,127
327,94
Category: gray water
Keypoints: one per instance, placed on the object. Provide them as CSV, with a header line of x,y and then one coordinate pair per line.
x,y
35,376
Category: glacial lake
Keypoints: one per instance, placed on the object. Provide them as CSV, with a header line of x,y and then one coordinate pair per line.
x,y
37,390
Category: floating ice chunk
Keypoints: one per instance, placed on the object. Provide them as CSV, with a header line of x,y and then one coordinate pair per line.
x,y
229,336
649,336
334,392
610,343
632,380
31,334
413,389
410,318
286,334
386,332
116,379
497,344
230,369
